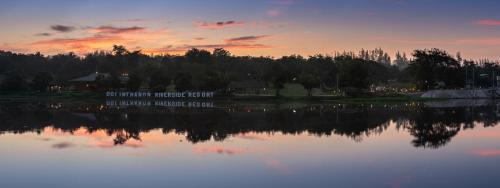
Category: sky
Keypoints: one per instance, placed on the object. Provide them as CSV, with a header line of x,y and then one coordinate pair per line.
x,y
258,27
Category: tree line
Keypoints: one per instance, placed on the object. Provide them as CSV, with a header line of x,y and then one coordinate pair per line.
x,y
200,69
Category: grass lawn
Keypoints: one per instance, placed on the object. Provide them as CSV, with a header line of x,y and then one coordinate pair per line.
x,y
293,90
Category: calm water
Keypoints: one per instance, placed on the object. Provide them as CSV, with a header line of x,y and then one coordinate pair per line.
x,y
204,144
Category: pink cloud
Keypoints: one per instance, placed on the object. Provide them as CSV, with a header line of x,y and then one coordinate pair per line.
x,y
487,153
274,12
278,166
463,41
479,41
488,22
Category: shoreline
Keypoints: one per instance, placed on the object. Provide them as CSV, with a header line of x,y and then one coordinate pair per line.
x,y
90,96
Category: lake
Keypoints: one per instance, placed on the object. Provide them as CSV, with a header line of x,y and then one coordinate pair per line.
x,y
129,144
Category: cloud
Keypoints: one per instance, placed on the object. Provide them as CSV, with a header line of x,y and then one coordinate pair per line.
x,y
63,145
494,41
199,38
62,28
84,40
488,22
279,7
80,45
245,42
278,167
219,150
117,30
487,153
251,136
45,139
43,34
182,48
246,38
275,12
218,25
478,41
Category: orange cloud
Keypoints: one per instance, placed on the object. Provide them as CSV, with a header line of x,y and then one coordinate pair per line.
x,y
183,48
80,45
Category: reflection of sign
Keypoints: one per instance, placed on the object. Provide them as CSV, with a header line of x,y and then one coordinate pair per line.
x,y
123,94
143,103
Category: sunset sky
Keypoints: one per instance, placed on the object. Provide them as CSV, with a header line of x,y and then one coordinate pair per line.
x,y
258,27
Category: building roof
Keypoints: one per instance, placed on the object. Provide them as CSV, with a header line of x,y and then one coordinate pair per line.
x,y
89,78
247,84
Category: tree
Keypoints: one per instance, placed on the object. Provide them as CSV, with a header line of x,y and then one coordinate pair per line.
x,y
309,81
114,82
183,82
134,82
212,81
277,75
119,50
432,66
14,81
198,56
354,74
401,61
159,81
42,80
221,53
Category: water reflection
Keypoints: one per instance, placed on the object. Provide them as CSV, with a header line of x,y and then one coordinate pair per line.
x,y
431,125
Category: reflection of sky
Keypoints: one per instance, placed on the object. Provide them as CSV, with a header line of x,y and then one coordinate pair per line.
x,y
56,159
279,27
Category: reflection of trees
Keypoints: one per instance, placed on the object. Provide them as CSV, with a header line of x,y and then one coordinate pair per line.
x,y
431,128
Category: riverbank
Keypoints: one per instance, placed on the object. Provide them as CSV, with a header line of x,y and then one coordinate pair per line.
x,y
91,96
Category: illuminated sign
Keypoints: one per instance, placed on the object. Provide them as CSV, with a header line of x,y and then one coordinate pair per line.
x,y
141,94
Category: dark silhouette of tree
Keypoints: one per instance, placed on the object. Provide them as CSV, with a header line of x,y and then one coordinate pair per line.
x,y
346,70
310,81
159,81
198,56
119,50
277,76
14,81
432,66
183,82
354,74
135,81
41,81
221,53
212,81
